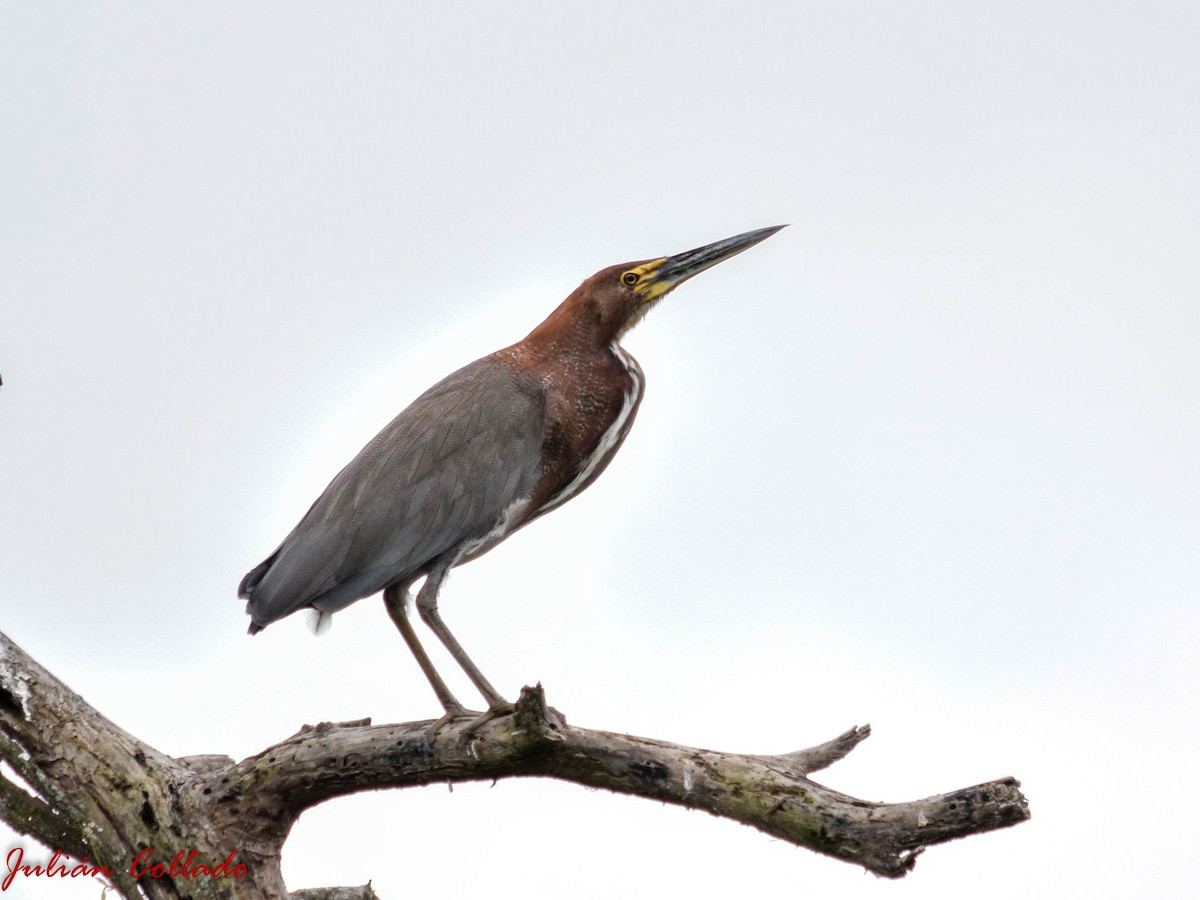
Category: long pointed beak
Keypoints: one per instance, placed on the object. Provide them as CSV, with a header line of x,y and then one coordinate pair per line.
x,y
679,268
656,278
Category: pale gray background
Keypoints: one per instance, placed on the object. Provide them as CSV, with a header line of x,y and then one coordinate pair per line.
x,y
927,458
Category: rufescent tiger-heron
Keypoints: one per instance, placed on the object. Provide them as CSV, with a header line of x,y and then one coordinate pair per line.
x,y
483,452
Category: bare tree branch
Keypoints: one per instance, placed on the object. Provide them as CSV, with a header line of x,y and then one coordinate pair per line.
x,y
362,892
105,794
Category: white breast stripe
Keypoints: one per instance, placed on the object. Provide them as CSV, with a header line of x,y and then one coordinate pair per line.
x,y
498,533
610,438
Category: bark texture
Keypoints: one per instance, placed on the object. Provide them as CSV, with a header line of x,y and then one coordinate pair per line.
x,y
93,790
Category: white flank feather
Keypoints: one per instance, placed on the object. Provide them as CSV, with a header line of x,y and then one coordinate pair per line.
x,y
318,622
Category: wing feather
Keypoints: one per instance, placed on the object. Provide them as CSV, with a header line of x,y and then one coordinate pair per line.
x,y
441,474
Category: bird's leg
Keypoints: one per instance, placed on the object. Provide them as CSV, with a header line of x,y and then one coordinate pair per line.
x,y
395,598
427,607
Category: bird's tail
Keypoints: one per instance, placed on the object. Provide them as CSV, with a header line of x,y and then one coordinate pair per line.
x,y
249,585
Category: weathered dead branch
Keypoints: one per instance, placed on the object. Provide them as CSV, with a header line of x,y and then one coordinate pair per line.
x,y
96,791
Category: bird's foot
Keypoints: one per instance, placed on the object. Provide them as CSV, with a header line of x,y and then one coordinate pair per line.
x,y
478,719
453,713
495,711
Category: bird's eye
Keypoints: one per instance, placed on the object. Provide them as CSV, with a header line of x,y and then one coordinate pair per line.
x,y
630,278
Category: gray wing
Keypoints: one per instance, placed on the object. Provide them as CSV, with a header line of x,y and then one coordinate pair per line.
x,y
441,473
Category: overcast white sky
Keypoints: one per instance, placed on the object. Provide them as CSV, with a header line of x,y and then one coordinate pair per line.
x,y
926,459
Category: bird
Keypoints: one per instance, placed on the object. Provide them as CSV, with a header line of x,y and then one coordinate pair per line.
x,y
481,454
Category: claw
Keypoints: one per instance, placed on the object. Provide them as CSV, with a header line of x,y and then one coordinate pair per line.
x,y
494,712
452,713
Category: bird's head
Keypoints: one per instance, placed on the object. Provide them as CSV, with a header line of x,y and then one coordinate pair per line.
x,y
612,301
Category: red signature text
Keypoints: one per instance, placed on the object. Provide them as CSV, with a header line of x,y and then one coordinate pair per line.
x,y
184,865
59,866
